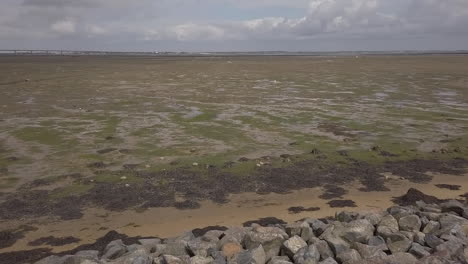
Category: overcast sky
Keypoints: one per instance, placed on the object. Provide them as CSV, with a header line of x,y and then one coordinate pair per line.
x,y
234,25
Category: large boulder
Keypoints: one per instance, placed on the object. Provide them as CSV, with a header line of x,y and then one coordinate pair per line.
x,y
199,247
233,234
449,220
114,250
270,238
410,223
201,260
323,248
389,222
453,206
307,255
292,245
229,250
431,226
418,251
253,256
398,242
367,251
349,256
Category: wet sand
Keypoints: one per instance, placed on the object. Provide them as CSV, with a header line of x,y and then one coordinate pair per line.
x,y
167,222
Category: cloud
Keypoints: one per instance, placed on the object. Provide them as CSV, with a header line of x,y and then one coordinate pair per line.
x,y
64,27
172,21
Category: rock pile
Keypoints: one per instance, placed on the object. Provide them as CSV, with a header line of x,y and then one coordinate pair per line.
x,y
421,233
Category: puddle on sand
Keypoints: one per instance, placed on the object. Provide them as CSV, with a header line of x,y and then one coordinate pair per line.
x,y
167,222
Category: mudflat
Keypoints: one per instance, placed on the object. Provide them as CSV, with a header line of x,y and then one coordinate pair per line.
x,y
120,140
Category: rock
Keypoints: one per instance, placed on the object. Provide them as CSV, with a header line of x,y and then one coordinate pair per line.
x,y
307,255
151,242
168,259
323,248
198,247
135,258
213,235
345,216
367,251
400,211
301,229
184,238
114,250
292,245
433,241
233,234
400,258
431,227
328,261
336,243
91,254
398,243
231,249
377,241
407,234
271,239
418,251
350,255
317,226
374,218
253,256
280,260
51,260
449,220
420,238
453,206
388,222
201,260
410,223
173,248
358,231
452,248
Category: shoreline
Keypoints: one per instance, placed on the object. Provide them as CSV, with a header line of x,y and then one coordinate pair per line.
x,y
167,222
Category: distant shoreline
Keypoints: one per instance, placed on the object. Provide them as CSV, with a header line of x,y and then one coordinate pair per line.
x,y
11,52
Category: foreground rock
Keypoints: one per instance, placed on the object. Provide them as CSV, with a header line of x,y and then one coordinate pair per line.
x,y
422,233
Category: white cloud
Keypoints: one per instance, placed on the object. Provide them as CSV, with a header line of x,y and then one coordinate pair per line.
x,y
64,27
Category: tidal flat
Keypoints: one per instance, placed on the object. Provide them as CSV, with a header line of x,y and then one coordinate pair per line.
x,y
132,135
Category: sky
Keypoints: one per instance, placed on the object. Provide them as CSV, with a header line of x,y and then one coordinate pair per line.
x,y
234,25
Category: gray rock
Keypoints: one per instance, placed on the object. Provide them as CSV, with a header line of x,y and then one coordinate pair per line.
x,y
336,243
432,241
328,261
350,255
367,251
418,251
158,260
91,254
431,227
233,234
292,245
345,216
168,259
400,211
430,216
377,241
449,220
114,250
271,238
358,231
199,247
280,260
373,217
301,229
213,235
453,206
150,242
410,223
139,248
323,248
420,238
173,249
253,256
452,248
51,260
317,226
307,255
398,243
388,222
184,238
135,258
400,258
201,260
407,234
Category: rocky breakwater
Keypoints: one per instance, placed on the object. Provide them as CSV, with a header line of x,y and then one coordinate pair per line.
x,y
421,233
